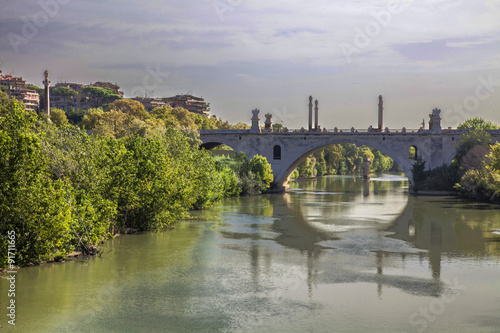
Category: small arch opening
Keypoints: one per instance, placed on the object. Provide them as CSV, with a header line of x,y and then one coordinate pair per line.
x,y
277,152
412,152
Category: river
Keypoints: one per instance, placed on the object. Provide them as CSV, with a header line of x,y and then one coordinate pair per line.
x,y
336,254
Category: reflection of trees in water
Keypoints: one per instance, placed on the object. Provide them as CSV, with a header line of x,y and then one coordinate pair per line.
x,y
440,226
448,225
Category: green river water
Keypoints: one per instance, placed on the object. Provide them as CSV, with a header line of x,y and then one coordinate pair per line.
x,y
336,254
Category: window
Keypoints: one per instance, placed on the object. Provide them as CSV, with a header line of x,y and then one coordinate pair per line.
x,y
277,152
413,153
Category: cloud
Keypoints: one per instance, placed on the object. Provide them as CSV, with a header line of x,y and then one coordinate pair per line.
x,y
263,51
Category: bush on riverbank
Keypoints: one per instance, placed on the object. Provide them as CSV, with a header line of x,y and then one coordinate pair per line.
x,y
475,170
253,176
483,184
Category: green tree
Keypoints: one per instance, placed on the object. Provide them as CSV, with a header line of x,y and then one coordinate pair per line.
x,y
418,172
477,123
31,205
129,107
63,91
75,116
494,157
307,168
58,117
475,137
259,166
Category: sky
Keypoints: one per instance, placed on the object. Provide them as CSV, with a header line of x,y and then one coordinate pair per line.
x,y
272,55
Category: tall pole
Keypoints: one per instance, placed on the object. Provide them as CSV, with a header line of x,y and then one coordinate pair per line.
x,y
316,114
46,83
380,113
310,112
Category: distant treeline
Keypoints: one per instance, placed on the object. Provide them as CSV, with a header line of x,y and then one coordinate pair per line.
x,y
341,159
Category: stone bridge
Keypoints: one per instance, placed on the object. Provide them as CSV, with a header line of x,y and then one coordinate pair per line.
x,y
285,150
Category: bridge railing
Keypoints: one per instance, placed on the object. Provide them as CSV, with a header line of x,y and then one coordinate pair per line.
x,y
342,131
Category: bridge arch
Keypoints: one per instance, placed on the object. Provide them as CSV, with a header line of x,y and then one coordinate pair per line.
x,y
435,148
402,160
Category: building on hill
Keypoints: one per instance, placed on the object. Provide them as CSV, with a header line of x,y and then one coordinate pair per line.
x,y
150,103
66,102
109,85
190,103
82,99
16,88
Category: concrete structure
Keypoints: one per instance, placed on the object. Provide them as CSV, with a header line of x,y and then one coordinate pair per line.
x,y
16,88
190,103
31,99
150,103
435,121
310,112
46,84
380,113
286,150
255,121
268,124
113,86
316,110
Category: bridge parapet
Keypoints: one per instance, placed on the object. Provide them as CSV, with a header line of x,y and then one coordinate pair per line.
x,y
345,132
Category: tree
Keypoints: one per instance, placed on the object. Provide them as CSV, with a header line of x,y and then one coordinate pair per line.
x,y
58,117
92,118
307,168
494,158
129,107
63,91
100,96
469,140
259,166
418,172
75,116
31,205
477,123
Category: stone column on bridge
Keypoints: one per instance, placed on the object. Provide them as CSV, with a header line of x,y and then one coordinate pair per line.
x,y
380,113
255,121
310,112
316,109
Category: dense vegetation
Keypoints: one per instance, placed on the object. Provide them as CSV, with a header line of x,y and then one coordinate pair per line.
x,y
341,159
475,170
64,190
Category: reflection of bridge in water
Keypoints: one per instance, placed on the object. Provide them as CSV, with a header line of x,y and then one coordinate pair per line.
x,y
285,149
425,234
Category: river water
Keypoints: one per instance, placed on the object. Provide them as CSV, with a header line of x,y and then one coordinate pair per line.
x,y
336,254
